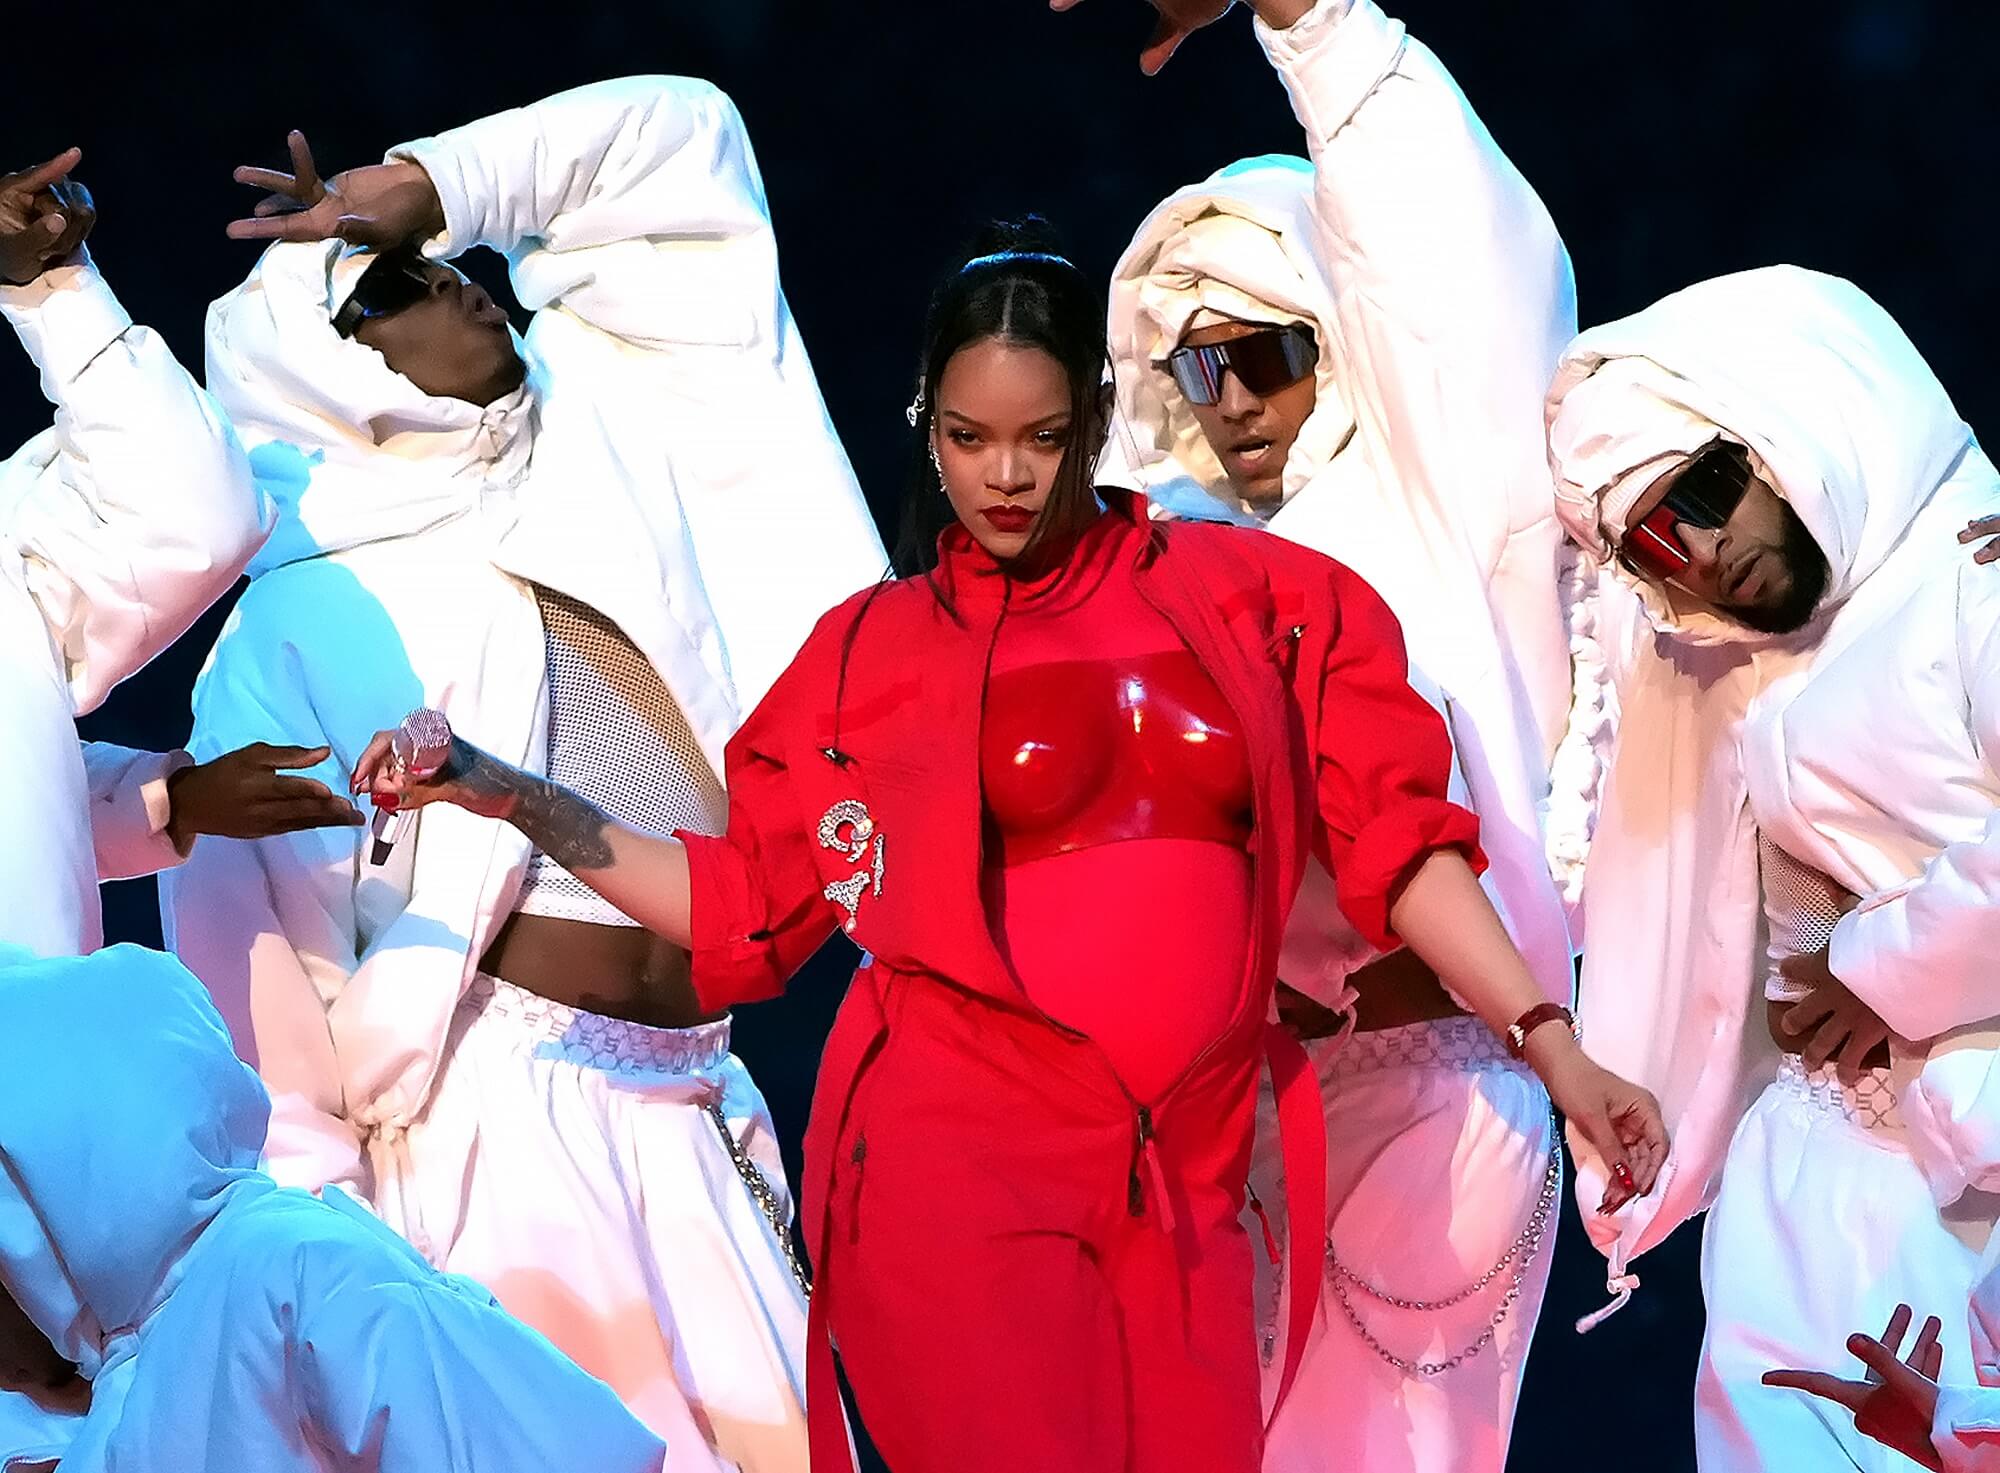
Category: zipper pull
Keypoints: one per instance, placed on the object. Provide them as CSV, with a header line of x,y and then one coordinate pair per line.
x,y
1135,1191
1149,1152
858,1155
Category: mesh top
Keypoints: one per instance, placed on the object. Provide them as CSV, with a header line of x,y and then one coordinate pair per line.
x,y
1802,906
619,739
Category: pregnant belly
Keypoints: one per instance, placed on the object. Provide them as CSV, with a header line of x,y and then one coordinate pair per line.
x,y
1141,945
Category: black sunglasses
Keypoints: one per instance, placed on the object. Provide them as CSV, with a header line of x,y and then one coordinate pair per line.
x,y
394,282
1264,362
1705,494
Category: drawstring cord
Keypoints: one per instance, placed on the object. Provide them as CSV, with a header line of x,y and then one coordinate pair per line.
x,y
1619,1287
395,1143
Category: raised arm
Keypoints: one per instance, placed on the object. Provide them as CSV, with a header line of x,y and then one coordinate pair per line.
x,y
137,510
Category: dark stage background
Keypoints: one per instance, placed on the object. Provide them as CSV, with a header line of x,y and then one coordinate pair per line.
x,y
1671,142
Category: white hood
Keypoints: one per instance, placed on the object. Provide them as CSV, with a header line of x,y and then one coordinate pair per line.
x,y
1239,243
1245,243
350,450
1850,426
1839,411
126,1125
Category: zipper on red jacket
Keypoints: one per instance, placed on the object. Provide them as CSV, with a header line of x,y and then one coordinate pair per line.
x,y
1145,1147
857,1157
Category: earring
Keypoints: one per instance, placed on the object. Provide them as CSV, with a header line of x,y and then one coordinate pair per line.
x,y
937,465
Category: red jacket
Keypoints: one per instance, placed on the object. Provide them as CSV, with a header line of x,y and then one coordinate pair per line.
x,y
882,707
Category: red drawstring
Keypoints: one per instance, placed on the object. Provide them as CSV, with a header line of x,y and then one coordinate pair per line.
x,y
1271,1250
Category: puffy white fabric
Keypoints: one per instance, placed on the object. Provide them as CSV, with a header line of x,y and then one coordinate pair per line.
x,y
669,462
652,1265
118,526
1849,425
1966,1427
1822,1226
1441,296
1435,1160
130,808
225,1323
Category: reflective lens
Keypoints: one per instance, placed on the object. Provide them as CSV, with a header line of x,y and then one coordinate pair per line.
x,y
394,281
1263,362
1705,494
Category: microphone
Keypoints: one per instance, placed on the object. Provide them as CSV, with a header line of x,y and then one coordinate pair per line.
x,y
419,748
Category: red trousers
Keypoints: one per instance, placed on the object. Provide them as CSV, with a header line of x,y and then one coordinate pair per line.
x,y
1005,1285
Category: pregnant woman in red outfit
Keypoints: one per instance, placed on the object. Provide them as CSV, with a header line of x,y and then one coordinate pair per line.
x,y
1059,781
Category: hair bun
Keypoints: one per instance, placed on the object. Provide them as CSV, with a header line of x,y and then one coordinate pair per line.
x,y
1030,234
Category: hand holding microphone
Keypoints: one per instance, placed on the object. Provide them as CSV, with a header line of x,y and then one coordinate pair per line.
x,y
393,763
422,762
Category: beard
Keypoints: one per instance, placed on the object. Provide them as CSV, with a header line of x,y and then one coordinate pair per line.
x,y
1805,587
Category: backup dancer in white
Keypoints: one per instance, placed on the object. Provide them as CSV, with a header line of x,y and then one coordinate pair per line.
x,y
593,551
118,526
1350,352
1769,462
173,1309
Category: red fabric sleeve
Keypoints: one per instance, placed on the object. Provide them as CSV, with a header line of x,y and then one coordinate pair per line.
x,y
1384,766
755,903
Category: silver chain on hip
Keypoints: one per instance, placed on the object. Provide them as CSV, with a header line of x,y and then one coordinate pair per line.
x,y
1520,1254
761,1193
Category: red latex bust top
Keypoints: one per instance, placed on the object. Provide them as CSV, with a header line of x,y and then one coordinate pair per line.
x,y
1093,751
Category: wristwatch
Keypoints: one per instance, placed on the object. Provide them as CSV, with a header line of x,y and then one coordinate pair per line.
x,y
1528,1022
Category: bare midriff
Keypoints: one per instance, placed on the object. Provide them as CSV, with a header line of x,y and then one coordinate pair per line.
x,y
619,971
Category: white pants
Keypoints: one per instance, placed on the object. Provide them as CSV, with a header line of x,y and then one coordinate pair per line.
x,y
1823,1225
567,1163
1438,1150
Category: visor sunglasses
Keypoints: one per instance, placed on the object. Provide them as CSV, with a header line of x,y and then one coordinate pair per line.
x,y
1263,362
1705,494
393,282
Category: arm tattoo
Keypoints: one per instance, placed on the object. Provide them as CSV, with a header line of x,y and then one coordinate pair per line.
x,y
571,830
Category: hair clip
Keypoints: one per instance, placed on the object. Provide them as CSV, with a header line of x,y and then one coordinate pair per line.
x,y
916,410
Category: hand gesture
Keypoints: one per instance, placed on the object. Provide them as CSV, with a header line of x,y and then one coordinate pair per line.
x,y
1842,1025
469,778
1621,1121
1986,530
245,795
1178,19
44,217
1896,1402
379,205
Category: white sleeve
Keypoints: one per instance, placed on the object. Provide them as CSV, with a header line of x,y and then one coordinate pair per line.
x,y
129,809
1453,291
634,221
138,510
635,204
1966,1429
269,924
1944,925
